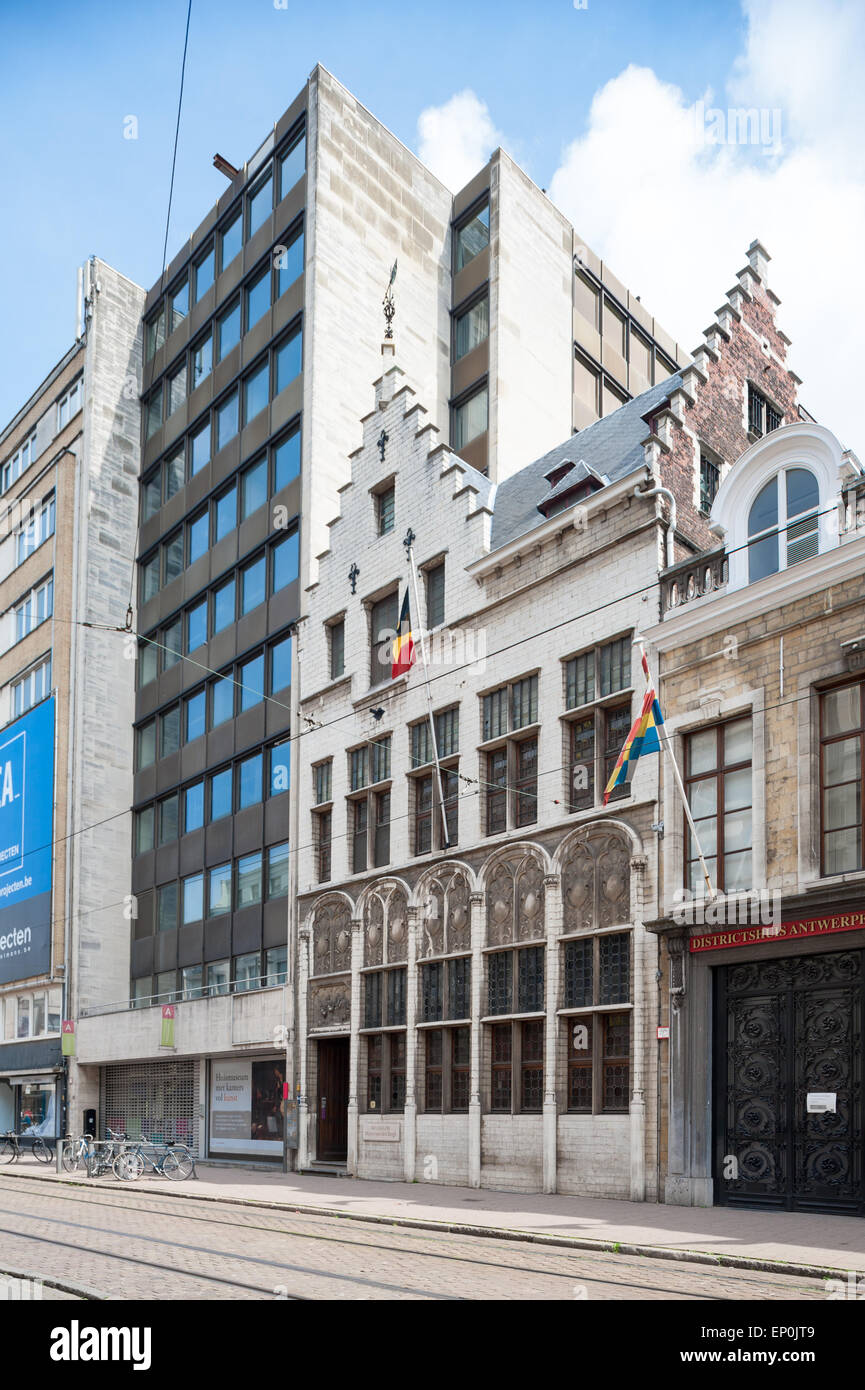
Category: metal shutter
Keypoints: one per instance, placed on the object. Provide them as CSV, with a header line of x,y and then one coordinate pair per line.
x,y
158,1099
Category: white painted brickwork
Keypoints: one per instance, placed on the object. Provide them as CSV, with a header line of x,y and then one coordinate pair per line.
x,y
524,602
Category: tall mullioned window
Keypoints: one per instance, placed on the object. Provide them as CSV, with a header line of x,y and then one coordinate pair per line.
x,y
842,806
719,791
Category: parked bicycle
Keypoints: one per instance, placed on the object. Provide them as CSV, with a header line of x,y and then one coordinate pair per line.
x,y
167,1158
10,1149
42,1150
75,1153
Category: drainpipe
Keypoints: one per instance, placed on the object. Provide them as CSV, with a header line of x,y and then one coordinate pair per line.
x,y
658,491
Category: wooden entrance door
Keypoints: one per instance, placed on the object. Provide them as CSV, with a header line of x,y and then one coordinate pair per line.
x,y
332,1111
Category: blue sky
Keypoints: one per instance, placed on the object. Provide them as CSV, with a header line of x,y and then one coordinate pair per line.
x,y
74,186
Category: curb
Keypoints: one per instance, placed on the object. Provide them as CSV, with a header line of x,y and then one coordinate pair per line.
x,y
609,1247
64,1285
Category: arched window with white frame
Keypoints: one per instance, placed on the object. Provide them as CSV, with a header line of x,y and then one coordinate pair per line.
x,y
783,522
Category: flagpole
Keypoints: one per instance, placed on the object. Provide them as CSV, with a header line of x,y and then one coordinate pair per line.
x,y
678,776
432,723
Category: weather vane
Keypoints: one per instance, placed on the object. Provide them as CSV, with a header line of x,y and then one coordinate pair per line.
x,y
388,304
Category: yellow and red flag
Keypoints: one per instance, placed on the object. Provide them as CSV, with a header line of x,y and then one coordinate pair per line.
x,y
403,643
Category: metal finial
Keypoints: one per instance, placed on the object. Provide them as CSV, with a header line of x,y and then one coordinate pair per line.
x,y
388,304
409,541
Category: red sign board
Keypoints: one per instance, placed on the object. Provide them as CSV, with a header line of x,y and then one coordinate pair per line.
x,y
69,1025
758,935
167,1010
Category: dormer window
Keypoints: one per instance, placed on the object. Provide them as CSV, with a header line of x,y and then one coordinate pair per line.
x,y
782,523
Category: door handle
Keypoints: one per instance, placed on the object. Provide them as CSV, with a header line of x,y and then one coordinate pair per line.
x,y
323,1109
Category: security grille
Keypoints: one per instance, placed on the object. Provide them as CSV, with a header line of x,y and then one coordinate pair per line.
x,y
157,1099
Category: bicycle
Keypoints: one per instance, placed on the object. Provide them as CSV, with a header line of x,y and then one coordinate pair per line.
x,y
168,1159
75,1152
42,1150
10,1149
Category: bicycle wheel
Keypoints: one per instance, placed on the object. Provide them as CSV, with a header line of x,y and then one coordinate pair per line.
x,y
71,1156
128,1166
8,1151
178,1166
42,1151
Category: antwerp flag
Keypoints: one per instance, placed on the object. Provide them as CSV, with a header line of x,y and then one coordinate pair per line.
x,y
403,646
642,739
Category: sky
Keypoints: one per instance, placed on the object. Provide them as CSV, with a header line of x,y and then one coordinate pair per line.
x,y
620,109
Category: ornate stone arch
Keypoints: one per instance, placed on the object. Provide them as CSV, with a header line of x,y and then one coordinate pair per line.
x,y
383,907
330,925
595,867
442,895
513,880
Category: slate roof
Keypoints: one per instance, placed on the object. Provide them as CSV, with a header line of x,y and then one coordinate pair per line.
x,y
611,447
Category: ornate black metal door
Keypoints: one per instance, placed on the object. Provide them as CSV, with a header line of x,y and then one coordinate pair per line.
x,y
787,1029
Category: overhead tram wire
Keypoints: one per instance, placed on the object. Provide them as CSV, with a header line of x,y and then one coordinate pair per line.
x,y
130,608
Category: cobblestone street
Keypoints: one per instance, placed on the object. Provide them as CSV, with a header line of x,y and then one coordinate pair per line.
x,y
138,1245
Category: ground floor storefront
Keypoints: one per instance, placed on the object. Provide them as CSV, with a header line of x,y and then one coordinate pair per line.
x,y
32,1088
766,1106
228,1108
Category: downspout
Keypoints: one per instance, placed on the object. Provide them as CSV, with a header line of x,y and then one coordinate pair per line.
x,y
658,491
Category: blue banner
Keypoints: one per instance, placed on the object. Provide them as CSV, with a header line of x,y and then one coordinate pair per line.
x,y
26,836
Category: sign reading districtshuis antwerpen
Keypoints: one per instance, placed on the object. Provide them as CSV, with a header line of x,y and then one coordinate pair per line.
x,y
784,931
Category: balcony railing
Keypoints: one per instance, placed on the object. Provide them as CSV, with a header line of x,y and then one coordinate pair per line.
x,y
691,579
276,980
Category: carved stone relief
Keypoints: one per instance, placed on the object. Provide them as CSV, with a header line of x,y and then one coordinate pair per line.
x,y
331,938
596,882
330,1004
515,901
385,925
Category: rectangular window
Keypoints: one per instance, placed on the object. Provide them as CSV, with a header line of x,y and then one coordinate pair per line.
x,y
255,392
193,899
219,891
322,840
336,636
247,972
384,619
276,966
168,819
166,911
385,503
193,807
204,273
285,559
472,236
360,826
253,583
471,418
198,537
258,298
277,871
226,420
710,477
288,360
223,605
322,777
251,676
253,488
228,328
249,882
587,300
199,450
34,686
202,361
37,529
169,731
171,638
524,703
179,304
154,334
232,239
380,759
582,764
526,769
144,830
177,389
435,595
222,701
146,745
381,843
250,781
260,203
292,164
225,514
289,263
497,795
153,418
151,499
280,665
471,328
718,787
221,799
842,742
172,558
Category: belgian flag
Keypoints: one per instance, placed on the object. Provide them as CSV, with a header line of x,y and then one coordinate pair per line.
x,y
403,645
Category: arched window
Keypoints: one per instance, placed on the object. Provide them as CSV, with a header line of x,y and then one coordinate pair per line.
x,y
782,523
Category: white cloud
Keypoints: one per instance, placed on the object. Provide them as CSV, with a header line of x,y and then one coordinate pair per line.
x,y
672,216
456,139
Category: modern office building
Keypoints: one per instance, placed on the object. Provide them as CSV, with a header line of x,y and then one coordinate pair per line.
x,y
69,463
260,341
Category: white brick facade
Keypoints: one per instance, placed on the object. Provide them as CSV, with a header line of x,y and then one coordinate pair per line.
x,y
581,875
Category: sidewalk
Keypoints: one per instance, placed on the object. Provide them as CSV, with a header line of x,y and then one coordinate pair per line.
x,y
820,1245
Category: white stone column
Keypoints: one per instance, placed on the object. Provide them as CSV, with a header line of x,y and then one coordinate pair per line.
x,y
640,1026
409,1129
477,938
354,1047
553,918
304,938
